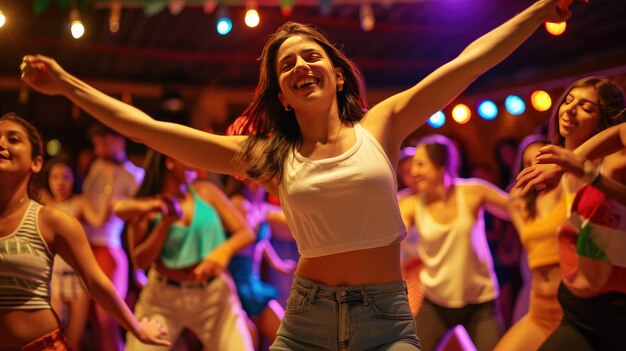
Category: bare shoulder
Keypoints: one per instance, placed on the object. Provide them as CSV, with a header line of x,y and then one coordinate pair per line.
x,y
407,202
53,222
53,217
207,190
614,166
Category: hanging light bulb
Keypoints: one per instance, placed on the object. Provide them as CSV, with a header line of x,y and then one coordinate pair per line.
x,y
76,26
252,18
461,113
556,28
224,24
3,19
367,17
115,16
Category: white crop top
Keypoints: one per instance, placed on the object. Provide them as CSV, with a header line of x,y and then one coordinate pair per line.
x,y
343,203
458,267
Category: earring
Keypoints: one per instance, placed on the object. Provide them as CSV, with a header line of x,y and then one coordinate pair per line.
x,y
288,108
339,87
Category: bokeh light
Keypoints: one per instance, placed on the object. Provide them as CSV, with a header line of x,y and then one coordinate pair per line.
x,y
556,28
461,113
487,109
515,105
541,100
437,120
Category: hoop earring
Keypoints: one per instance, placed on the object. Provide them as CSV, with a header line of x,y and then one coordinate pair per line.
x,y
288,108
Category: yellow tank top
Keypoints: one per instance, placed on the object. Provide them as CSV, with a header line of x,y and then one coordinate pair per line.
x,y
539,236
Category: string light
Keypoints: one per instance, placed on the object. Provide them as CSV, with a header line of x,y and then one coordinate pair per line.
x,y
3,19
556,28
487,109
115,16
437,120
515,105
224,24
367,17
76,26
461,113
252,18
540,100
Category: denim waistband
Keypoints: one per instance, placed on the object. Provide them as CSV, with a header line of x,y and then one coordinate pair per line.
x,y
344,293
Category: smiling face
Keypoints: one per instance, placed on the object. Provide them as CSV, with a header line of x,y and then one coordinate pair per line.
x,y
16,150
579,115
305,73
427,175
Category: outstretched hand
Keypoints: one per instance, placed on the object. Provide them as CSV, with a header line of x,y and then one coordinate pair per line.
x,y
42,74
153,332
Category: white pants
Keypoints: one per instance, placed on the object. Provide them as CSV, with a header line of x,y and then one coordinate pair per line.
x,y
212,311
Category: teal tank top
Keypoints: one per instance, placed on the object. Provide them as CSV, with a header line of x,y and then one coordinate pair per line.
x,y
186,246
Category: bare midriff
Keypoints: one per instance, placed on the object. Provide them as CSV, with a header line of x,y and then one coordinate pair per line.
x,y
20,327
546,279
369,266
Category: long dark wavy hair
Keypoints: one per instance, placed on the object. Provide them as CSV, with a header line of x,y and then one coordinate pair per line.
x,y
275,132
152,183
37,181
610,104
530,199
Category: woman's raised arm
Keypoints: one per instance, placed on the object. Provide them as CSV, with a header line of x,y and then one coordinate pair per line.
x,y
191,146
408,110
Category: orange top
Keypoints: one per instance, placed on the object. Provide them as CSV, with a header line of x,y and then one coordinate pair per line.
x,y
539,236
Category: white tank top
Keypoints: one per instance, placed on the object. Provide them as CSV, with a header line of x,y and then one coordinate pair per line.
x,y
458,267
343,203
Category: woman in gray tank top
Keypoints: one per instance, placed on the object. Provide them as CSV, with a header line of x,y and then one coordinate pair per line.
x,y
30,236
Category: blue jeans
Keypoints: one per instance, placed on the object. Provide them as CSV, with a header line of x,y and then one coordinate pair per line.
x,y
364,317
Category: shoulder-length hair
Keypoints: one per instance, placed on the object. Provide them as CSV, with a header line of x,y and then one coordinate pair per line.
x,y
275,130
152,183
530,199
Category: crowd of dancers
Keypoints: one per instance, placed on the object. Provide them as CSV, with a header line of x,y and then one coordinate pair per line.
x,y
309,139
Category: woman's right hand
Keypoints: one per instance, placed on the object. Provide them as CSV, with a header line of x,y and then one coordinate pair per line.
x,y
153,332
42,74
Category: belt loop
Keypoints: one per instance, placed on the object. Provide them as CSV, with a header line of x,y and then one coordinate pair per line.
x,y
313,293
365,298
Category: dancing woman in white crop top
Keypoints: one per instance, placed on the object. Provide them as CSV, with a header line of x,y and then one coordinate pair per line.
x,y
306,113
459,283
